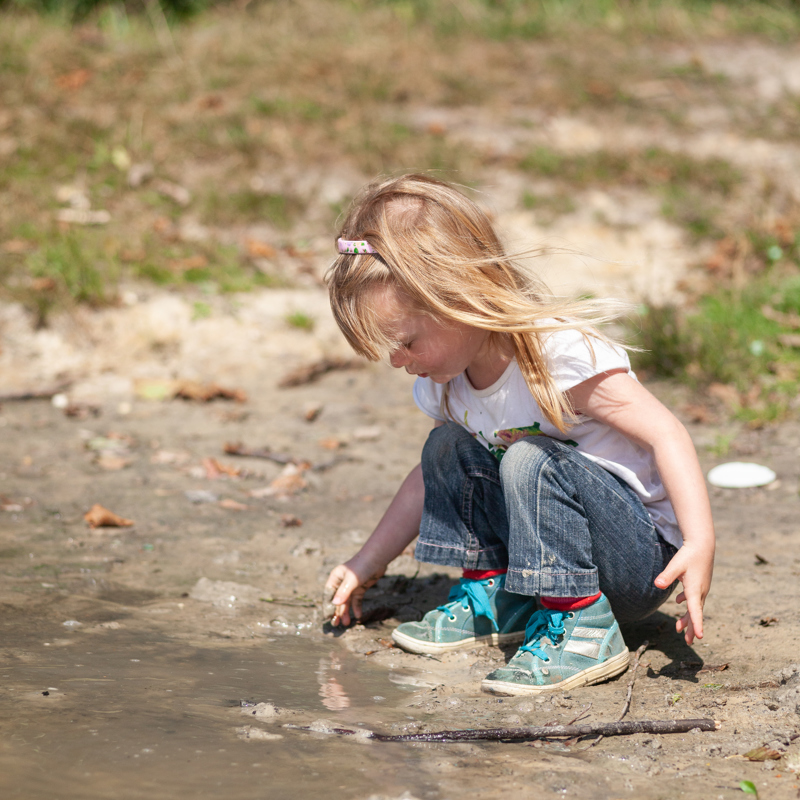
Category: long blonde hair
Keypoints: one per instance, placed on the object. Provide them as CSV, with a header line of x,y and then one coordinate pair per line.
x,y
438,249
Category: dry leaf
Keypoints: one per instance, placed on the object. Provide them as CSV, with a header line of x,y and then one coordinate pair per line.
x,y
210,101
727,394
233,505
99,517
698,413
288,483
43,284
763,754
290,521
214,469
715,667
767,621
257,249
331,443
17,246
312,411
111,462
205,392
185,264
71,81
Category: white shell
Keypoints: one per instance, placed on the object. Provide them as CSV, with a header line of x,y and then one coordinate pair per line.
x,y
740,475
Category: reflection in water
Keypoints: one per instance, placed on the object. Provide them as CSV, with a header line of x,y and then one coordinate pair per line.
x,y
333,695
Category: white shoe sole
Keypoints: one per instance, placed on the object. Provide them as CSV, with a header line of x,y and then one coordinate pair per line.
x,y
600,672
413,645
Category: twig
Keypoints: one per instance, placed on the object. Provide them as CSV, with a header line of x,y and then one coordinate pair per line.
x,y
545,732
627,705
287,601
238,449
35,394
312,372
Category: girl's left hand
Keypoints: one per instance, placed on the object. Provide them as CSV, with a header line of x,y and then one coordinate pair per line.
x,y
692,566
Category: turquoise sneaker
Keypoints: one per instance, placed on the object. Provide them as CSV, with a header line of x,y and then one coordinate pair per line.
x,y
476,613
563,650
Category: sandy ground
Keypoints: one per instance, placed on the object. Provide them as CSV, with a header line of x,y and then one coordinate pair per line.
x,y
220,575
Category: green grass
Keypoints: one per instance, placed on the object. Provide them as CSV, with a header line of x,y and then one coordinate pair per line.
x,y
727,338
652,168
300,320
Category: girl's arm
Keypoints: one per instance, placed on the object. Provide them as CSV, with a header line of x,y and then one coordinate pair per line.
x,y
396,530
621,402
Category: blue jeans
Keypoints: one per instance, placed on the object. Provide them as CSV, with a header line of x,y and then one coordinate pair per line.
x,y
560,524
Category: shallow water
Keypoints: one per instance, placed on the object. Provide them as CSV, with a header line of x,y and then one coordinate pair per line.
x,y
135,714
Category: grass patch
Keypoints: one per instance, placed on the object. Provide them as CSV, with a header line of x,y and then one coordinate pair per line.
x,y
691,190
651,168
747,339
247,205
300,320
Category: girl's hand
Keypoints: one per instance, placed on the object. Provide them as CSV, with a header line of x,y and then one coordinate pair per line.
x,y
350,580
692,566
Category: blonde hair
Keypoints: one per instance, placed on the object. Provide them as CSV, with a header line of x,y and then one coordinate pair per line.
x,y
439,250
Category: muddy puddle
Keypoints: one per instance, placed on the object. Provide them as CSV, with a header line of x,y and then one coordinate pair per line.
x,y
140,715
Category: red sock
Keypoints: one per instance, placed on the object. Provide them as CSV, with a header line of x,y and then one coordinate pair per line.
x,y
568,603
482,574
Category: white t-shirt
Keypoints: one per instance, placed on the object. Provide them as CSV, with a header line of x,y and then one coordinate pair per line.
x,y
505,412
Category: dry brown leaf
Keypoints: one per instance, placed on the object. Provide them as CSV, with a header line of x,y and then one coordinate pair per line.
x,y
697,412
185,264
233,505
210,101
71,81
205,392
215,469
715,667
290,521
763,754
258,249
312,411
43,284
17,246
767,621
725,393
99,517
112,462
288,483
331,443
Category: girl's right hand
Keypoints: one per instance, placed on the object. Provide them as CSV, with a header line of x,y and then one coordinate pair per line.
x,y
350,583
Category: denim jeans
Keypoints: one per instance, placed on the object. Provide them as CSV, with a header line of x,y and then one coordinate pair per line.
x,y
562,525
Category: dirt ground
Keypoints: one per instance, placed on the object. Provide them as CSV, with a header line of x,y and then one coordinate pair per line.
x,y
222,568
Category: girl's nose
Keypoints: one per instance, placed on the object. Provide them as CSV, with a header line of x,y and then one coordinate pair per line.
x,y
399,358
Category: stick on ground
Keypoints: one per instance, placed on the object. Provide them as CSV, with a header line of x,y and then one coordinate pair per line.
x,y
547,732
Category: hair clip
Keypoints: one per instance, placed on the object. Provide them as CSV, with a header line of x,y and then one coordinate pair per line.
x,y
358,246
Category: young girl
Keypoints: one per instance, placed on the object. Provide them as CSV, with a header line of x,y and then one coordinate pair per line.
x,y
571,498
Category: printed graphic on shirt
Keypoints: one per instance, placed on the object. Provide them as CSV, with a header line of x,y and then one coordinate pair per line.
x,y
511,435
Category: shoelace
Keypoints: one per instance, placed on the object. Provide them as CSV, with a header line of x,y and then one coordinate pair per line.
x,y
544,622
471,593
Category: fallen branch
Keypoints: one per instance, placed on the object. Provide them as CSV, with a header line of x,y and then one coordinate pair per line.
x,y
544,732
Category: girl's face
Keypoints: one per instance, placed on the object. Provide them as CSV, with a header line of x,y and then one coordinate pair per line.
x,y
429,348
